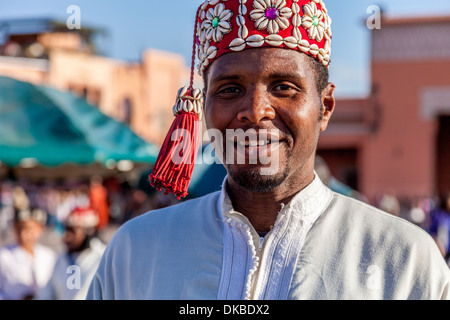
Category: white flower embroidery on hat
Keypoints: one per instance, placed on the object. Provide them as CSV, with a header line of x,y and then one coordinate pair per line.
x,y
271,15
206,52
217,23
312,21
269,18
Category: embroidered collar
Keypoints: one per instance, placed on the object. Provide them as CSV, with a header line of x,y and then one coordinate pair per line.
x,y
306,203
253,271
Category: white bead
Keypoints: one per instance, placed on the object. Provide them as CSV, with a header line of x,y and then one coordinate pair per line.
x,y
182,92
195,104
262,23
179,105
283,23
196,94
274,40
314,49
296,20
290,42
189,106
237,44
278,3
242,10
297,34
185,106
255,40
243,32
258,5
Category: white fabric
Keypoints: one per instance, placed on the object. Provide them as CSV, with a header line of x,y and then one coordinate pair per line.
x,y
269,273
323,246
63,285
22,274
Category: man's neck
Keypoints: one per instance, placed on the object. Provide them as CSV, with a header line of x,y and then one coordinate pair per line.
x,y
262,209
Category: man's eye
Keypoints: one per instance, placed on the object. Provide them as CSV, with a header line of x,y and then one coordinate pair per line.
x,y
230,90
282,87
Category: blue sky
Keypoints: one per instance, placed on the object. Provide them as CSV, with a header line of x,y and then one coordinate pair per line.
x,y
134,25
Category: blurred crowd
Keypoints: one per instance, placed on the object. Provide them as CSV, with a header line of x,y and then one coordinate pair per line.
x,y
53,234
431,213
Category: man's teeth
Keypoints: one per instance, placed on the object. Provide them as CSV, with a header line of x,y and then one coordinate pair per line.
x,y
254,143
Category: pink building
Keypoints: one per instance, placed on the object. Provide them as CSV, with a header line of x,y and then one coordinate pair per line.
x,y
141,94
398,139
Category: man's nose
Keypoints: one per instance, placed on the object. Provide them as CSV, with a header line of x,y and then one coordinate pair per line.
x,y
256,106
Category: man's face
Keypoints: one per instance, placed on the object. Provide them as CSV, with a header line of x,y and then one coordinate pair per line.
x,y
28,232
268,89
74,238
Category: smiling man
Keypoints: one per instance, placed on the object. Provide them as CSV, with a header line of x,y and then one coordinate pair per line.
x,y
272,232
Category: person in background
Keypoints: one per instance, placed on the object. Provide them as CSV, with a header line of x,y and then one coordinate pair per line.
x,y
6,209
98,197
75,269
440,226
25,266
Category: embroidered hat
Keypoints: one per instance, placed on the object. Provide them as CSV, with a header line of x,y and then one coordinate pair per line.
x,y
223,26
82,217
234,25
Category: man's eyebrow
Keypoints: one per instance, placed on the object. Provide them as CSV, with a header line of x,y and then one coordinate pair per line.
x,y
272,76
285,75
226,77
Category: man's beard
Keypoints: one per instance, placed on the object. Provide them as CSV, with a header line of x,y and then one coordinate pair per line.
x,y
253,179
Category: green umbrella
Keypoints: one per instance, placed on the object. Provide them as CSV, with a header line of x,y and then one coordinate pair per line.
x,y
54,127
208,174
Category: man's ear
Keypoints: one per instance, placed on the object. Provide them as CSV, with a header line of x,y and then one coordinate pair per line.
x,y
328,102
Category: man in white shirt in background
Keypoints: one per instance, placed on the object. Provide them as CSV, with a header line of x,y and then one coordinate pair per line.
x,y
27,265
75,268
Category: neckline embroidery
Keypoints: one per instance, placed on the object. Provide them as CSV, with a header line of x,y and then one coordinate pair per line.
x,y
253,271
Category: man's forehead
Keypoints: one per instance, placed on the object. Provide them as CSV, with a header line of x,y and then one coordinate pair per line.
x,y
273,62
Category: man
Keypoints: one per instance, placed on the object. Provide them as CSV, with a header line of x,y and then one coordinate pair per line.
x,y
26,266
272,232
75,269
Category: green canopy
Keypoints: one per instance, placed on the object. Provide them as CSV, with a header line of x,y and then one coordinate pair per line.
x,y
54,128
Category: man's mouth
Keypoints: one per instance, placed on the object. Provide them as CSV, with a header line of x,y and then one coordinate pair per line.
x,y
255,146
253,138
255,143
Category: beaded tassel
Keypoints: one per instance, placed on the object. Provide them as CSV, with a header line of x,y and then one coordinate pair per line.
x,y
175,163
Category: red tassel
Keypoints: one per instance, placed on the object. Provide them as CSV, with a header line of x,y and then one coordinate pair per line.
x,y
176,159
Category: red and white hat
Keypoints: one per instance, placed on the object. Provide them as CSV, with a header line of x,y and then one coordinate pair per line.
x,y
234,25
223,26
82,217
